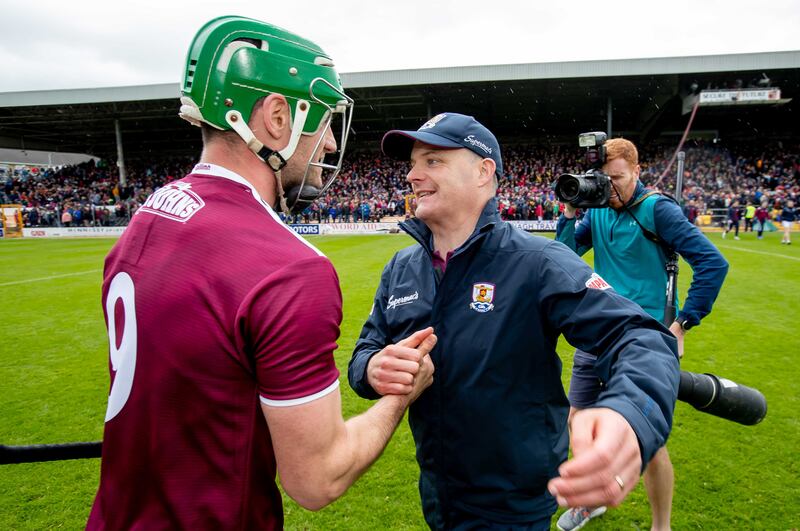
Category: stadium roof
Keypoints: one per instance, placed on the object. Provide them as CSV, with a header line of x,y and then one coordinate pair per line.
x,y
541,100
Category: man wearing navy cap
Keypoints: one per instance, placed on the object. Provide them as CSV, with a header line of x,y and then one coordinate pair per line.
x,y
491,432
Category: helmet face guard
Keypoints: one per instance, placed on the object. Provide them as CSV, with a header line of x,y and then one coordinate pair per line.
x,y
234,61
338,119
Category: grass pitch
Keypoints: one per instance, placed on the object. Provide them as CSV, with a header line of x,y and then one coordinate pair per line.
x,y
54,385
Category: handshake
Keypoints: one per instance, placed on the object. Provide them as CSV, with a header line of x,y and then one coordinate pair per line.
x,y
404,368
607,460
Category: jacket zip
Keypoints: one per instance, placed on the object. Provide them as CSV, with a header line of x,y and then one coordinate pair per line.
x,y
411,230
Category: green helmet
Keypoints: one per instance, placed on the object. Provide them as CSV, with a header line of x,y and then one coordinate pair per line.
x,y
234,61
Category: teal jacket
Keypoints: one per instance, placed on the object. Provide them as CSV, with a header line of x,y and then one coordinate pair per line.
x,y
634,265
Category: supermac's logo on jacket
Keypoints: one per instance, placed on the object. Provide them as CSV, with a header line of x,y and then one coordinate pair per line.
x,y
174,201
482,297
394,302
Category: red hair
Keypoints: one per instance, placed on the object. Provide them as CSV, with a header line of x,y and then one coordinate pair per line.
x,y
619,148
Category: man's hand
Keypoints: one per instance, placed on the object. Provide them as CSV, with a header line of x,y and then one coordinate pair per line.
x,y
396,369
424,377
569,211
606,461
678,332
318,454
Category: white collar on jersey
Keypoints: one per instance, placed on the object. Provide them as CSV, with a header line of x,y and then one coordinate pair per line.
x,y
204,168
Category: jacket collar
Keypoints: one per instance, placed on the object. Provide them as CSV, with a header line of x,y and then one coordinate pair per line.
x,y
417,229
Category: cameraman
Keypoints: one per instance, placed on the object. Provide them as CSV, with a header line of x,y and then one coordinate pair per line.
x,y
635,267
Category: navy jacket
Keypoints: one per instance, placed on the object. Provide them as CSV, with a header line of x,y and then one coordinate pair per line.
x,y
491,430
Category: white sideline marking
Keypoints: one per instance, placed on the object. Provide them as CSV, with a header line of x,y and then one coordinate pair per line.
x,y
759,252
49,278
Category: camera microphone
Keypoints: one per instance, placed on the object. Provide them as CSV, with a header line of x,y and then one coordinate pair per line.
x,y
722,397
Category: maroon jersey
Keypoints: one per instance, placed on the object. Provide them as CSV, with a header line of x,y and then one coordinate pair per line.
x,y
213,305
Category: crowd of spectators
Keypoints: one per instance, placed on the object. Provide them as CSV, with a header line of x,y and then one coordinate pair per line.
x,y
87,194
372,188
369,188
716,177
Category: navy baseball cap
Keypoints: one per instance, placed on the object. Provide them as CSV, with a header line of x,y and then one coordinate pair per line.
x,y
448,130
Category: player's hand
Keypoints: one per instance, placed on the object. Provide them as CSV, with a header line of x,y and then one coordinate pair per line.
x,y
424,377
606,461
569,211
393,370
678,332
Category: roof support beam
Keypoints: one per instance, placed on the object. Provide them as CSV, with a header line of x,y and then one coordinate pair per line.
x,y
123,181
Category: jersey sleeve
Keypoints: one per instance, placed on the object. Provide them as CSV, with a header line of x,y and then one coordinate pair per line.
x,y
288,326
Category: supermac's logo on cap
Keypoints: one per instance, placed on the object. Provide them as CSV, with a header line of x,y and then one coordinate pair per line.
x,y
433,121
174,201
596,282
477,143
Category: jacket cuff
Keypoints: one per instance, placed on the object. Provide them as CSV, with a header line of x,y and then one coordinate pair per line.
x,y
649,439
691,319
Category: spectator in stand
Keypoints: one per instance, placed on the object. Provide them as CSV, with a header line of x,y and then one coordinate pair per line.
x,y
77,216
66,218
33,217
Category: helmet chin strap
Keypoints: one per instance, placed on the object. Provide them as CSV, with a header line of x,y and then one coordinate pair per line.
x,y
280,196
276,160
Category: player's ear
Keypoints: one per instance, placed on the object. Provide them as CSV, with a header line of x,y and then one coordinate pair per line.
x,y
274,117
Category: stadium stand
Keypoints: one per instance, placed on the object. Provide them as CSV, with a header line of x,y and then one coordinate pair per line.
x,y
372,188
537,110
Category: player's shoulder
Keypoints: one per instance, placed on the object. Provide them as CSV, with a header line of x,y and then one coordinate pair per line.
x,y
223,193
274,245
197,199
309,272
237,211
236,222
